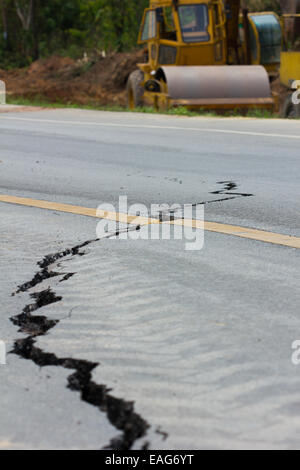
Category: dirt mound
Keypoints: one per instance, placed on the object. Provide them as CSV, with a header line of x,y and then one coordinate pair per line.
x,y
89,80
53,64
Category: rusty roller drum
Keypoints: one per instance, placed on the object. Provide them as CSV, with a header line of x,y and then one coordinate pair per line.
x,y
217,86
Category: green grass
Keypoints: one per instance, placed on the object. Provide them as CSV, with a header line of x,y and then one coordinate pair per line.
x,y
179,111
43,103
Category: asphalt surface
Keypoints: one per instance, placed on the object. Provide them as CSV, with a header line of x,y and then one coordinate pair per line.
x,y
200,341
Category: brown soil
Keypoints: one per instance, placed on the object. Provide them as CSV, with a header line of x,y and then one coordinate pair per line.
x,y
100,80
281,91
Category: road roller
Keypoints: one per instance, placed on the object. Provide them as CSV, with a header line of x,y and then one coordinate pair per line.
x,y
206,55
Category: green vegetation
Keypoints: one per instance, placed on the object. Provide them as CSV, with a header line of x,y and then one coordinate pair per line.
x,y
40,102
179,111
260,5
30,29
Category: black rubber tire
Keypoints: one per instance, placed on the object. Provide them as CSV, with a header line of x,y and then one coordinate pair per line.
x,y
290,110
135,91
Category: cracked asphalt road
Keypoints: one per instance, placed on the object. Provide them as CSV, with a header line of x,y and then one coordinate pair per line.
x,y
199,341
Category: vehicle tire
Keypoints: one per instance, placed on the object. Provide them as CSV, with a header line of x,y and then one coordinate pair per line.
x,y
134,89
290,110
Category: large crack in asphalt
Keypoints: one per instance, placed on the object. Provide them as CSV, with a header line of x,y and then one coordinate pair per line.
x,y
119,412
227,190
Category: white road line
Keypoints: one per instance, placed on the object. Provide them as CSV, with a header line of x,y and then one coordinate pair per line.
x,y
151,126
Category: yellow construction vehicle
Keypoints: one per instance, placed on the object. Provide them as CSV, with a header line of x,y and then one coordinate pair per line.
x,y
206,54
290,78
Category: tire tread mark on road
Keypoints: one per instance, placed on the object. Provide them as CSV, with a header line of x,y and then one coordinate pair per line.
x,y
119,412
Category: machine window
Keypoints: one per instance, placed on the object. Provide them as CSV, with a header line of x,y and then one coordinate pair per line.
x,y
194,23
168,30
270,38
167,55
149,28
169,20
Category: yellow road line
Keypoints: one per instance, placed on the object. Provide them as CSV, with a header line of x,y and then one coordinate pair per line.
x,y
242,232
78,210
233,230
